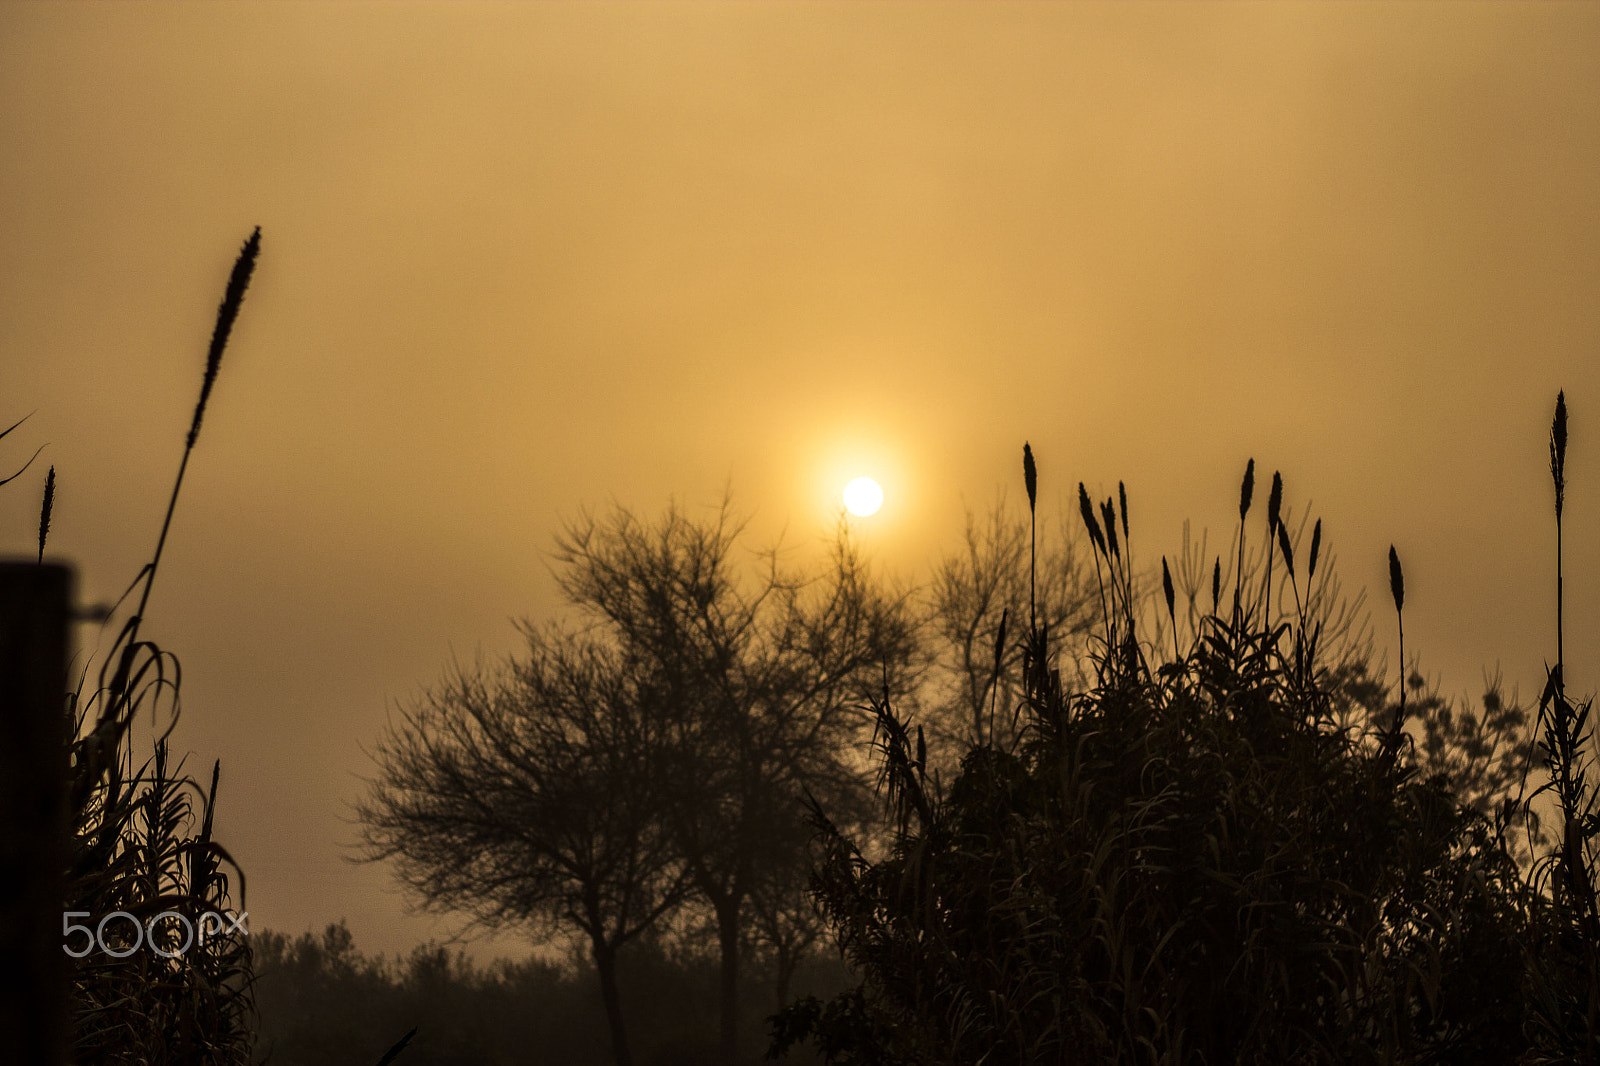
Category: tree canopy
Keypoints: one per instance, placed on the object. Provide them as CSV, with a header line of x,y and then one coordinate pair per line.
x,y
649,757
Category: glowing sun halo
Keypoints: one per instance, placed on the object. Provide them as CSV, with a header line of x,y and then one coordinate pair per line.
x,y
863,496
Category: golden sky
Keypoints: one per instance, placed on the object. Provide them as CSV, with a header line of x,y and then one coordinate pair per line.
x,y
519,259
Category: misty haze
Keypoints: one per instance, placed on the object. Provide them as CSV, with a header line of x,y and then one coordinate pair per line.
x,y
692,534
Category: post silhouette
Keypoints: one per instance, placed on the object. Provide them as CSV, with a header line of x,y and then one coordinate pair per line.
x,y
35,615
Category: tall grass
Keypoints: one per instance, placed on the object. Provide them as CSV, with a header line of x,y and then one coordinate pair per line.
x,y
1564,958
134,847
1239,854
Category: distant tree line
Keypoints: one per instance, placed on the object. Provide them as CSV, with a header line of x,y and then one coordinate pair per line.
x,y
322,1001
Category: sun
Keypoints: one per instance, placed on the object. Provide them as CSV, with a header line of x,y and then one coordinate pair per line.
x,y
863,496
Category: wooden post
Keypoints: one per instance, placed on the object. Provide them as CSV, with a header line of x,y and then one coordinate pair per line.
x,y
35,616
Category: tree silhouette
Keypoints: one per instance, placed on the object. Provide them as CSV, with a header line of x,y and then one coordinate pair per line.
x,y
656,756
765,683
534,798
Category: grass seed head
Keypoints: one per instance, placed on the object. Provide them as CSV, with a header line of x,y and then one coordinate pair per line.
x,y
1274,501
1087,510
232,298
1284,546
44,511
1247,489
1108,511
1397,581
1316,545
1558,450
1030,475
1122,500
1166,587
1216,585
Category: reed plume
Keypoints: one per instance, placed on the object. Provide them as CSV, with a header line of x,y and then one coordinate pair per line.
x,y
1172,613
227,312
1098,540
1089,520
44,510
1397,583
1247,489
1030,474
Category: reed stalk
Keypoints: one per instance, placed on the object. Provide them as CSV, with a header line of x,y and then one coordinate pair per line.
x,y
131,848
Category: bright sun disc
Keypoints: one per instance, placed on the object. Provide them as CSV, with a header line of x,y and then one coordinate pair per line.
x,y
863,496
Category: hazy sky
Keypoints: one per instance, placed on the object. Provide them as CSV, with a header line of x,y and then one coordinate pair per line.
x,y
517,260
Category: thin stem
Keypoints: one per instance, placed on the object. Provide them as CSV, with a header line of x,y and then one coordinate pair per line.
x,y
161,541
1033,540
1561,673
1238,579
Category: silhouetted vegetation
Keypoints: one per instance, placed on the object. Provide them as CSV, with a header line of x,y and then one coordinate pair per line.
x,y
645,772
325,1003
1169,834
995,583
1227,854
177,989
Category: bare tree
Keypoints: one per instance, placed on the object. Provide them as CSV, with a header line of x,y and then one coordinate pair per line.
x,y
654,757
784,924
533,797
766,680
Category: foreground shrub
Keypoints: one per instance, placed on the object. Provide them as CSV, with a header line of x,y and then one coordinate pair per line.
x,y
1207,859
179,993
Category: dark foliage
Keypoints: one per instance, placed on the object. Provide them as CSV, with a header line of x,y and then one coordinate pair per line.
x,y
1234,856
325,1003
645,772
134,845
